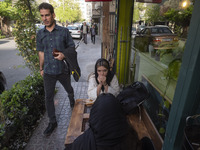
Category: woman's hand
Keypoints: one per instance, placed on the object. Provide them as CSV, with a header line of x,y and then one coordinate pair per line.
x,y
99,80
102,80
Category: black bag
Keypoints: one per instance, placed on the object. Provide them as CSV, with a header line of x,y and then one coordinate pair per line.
x,y
132,96
192,133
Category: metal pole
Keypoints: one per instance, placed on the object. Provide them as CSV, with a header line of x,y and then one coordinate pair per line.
x,y
120,52
126,55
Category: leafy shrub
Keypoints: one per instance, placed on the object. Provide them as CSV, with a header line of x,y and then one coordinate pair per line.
x,y
25,32
20,108
1,36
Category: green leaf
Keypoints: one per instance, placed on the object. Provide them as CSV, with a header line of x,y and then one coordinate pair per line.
x,y
161,130
167,104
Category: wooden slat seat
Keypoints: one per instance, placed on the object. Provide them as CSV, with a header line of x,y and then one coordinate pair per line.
x,y
76,123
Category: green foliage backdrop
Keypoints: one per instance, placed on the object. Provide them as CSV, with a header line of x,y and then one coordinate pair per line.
x,y
180,19
25,32
6,9
67,10
153,14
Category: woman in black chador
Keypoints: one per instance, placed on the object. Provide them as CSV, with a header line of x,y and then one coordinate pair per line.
x,y
109,129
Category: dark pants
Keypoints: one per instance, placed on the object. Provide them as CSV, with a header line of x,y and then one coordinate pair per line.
x,y
93,39
49,87
85,38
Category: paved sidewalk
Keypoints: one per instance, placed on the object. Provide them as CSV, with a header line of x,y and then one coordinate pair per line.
x,y
87,56
63,114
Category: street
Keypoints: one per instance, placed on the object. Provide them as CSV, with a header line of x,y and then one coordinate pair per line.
x,y
12,65
14,69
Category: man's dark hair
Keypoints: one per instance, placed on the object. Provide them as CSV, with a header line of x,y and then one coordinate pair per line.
x,y
46,6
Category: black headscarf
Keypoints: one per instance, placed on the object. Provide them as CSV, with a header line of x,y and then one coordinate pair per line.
x,y
103,62
108,126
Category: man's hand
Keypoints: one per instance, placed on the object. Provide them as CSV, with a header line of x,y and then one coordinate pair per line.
x,y
59,56
41,72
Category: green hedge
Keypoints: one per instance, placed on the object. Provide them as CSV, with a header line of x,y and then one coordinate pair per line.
x,y
20,109
2,36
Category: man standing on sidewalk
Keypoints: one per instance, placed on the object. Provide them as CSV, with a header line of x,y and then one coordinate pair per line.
x,y
52,68
84,30
93,33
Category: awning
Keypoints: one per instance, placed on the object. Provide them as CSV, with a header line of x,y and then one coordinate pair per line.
x,y
96,16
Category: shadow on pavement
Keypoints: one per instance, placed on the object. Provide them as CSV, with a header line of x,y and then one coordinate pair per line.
x,y
2,42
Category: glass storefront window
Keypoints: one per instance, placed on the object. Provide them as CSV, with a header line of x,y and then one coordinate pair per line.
x,y
156,54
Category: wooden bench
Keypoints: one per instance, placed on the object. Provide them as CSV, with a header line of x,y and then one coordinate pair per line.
x,y
141,124
78,122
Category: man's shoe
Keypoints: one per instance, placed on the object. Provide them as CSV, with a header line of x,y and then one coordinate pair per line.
x,y
50,129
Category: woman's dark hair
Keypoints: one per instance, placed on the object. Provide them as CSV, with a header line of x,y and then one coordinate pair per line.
x,y
46,6
103,62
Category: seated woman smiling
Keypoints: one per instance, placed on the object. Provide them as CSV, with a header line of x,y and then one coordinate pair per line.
x,y
102,81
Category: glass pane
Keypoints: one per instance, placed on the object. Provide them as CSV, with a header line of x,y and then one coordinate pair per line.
x,y
68,27
74,28
156,55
